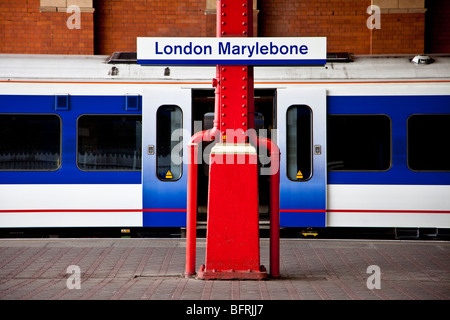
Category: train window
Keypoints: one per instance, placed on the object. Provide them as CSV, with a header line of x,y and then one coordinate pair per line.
x,y
30,142
109,142
299,146
169,143
358,142
428,136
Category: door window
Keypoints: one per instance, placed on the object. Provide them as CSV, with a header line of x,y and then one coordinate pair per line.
x,y
169,143
299,146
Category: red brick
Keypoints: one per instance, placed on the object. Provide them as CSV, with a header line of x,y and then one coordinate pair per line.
x,y
116,23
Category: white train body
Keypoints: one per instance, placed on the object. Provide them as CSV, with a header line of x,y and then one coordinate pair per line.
x,y
373,157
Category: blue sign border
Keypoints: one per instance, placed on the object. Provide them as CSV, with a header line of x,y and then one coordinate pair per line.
x,y
309,62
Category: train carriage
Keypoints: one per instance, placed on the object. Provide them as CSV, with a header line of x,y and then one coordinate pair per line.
x,y
86,141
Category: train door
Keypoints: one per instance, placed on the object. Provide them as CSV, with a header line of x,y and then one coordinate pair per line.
x,y
202,119
165,134
302,141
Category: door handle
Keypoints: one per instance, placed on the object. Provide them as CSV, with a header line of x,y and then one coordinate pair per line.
x,y
317,149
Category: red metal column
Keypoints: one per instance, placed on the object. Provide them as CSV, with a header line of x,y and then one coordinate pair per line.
x,y
236,103
232,248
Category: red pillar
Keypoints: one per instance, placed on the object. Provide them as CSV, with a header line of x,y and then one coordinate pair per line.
x,y
232,247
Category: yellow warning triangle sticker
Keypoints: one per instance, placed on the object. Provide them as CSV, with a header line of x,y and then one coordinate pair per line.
x,y
169,175
299,175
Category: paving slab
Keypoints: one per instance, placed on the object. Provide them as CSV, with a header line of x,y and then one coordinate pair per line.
x,y
152,269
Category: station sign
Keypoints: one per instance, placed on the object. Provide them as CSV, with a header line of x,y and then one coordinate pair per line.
x,y
232,51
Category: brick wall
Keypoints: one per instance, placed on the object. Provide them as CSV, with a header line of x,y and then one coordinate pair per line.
x,y
401,33
119,22
24,29
115,24
343,22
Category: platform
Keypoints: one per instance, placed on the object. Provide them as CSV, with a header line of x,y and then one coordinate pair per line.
x,y
134,269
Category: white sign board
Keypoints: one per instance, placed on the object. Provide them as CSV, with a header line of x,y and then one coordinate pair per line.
x,y
232,51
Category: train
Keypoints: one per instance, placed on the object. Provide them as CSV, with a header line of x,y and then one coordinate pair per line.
x,y
89,141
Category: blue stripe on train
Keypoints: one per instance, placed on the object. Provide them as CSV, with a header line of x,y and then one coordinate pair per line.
x,y
398,108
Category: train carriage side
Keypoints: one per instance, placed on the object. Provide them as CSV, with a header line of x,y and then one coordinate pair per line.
x,y
71,160
361,147
386,161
